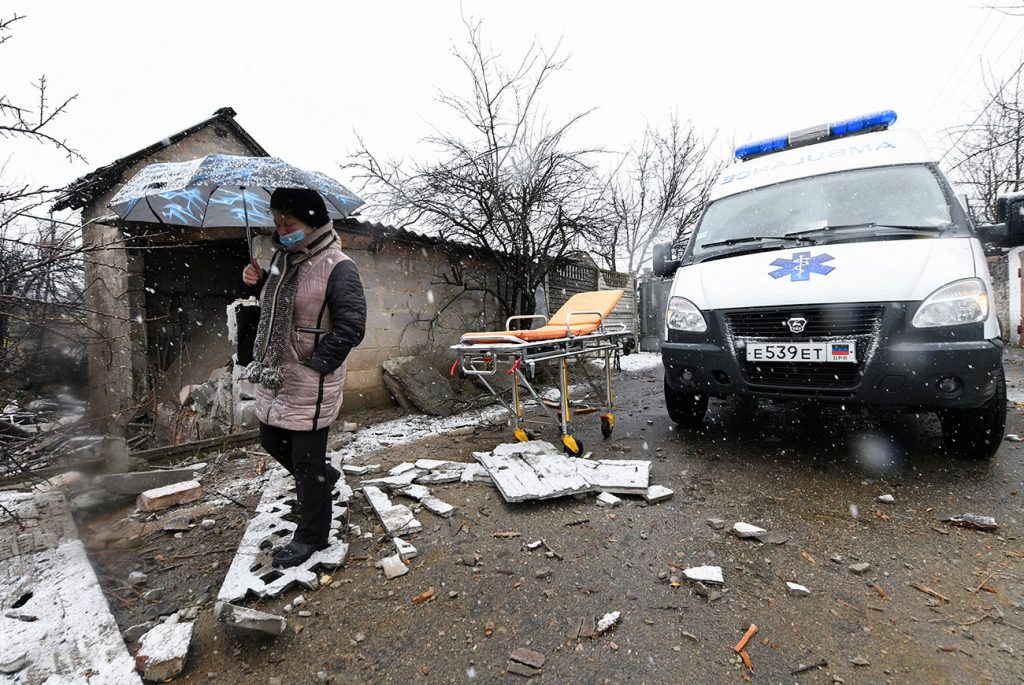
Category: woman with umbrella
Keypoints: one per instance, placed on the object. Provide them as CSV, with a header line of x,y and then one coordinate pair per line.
x,y
312,314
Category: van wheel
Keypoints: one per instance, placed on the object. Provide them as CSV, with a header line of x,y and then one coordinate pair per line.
x,y
976,433
685,408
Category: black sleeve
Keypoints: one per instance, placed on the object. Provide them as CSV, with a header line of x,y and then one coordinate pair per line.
x,y
347,305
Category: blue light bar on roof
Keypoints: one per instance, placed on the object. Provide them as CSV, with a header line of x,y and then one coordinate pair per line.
x,y
876,121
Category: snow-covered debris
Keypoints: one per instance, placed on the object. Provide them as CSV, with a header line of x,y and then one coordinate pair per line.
x,y
705,574
163,650
746,530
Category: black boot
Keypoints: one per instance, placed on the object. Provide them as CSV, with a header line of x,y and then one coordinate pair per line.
x,y
294,553
333,476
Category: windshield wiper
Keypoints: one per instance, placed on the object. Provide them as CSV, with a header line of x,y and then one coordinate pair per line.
x,y
754,238
825,230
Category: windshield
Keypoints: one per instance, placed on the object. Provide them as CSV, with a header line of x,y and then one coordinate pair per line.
x,y
902,196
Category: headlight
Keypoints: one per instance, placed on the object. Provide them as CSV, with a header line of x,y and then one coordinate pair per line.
x,y
683,315
958,303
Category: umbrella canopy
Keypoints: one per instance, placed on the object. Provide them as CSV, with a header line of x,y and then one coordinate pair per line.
x,y
222,191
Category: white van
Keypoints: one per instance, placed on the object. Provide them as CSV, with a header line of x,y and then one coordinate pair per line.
x,y
835,264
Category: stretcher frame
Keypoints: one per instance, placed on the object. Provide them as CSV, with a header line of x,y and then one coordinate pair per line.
x,y
488,353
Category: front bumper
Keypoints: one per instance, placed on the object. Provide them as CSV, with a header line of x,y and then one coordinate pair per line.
x,y
897,364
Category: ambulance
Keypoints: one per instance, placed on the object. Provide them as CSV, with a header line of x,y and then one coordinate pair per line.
x,y
836,264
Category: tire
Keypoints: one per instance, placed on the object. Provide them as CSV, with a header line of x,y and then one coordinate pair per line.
x,y
685,408
976,433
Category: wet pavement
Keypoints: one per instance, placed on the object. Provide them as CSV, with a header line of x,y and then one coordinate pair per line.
x,y
938,603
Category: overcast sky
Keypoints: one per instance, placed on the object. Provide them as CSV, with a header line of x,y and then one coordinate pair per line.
x,y
305,77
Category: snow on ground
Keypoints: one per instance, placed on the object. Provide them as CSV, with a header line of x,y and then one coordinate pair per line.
x,y
638,361
411,429
56,615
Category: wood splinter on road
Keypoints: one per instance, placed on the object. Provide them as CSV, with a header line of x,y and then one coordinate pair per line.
x,y
751,632
928,591
746,660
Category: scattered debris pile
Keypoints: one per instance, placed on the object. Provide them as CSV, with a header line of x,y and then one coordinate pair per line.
x,y
223,404
43,434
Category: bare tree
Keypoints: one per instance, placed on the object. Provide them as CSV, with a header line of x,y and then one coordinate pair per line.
x,y
656,194
507,184
988,154
41,261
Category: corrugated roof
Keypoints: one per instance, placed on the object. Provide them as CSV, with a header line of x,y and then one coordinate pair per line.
x,y
84,190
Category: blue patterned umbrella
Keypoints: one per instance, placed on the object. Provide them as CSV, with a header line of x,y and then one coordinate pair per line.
x,y
218,191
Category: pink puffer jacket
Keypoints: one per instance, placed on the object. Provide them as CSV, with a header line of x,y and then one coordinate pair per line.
x,y
314,363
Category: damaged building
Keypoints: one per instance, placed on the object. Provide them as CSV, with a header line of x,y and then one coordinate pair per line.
x,y
161,313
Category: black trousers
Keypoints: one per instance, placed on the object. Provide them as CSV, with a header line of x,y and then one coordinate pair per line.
x,y
304,455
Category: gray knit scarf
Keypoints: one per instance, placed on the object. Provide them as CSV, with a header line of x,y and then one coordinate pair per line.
x,y
277,311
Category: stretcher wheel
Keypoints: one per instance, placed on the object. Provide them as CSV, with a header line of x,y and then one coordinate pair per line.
x,y
572,446
607,425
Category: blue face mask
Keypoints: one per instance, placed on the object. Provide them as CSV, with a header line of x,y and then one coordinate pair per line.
x,y
293,238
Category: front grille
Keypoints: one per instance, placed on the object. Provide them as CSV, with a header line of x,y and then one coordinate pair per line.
x,y
858,323
800,375
846,320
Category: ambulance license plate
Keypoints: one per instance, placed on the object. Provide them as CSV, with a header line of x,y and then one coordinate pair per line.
x,y
820,352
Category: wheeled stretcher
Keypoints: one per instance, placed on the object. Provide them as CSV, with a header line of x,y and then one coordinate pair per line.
x,y
576,331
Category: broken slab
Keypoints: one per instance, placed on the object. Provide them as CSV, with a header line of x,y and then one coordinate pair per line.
x,y
525,662
747,531
405,549
607,499
170,495
393,566
163,650
705,574
658,493
475,473
250,620
397,518
251,571
537,470
46,574
422,495
137,482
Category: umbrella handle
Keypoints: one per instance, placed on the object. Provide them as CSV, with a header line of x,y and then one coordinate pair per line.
x,y
248,229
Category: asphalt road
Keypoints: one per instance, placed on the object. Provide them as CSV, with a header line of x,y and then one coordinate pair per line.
x,y
810,474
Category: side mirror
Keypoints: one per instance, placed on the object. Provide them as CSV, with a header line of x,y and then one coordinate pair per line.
x,y
664,266
1010,211
993,234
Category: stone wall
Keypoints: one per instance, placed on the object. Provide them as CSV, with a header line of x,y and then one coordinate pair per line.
x,y
410,311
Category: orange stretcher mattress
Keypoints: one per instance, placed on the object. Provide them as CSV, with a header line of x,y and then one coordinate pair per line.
x,y
601,301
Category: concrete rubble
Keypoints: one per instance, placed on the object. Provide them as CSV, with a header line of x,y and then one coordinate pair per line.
x,y
393,566
538,470
607,499
170,495
525,662
421,494
250,620
658,493
404,549
797,590
398,519
46,575
251,572
705,574
607,622
746,531
135,483
163,650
